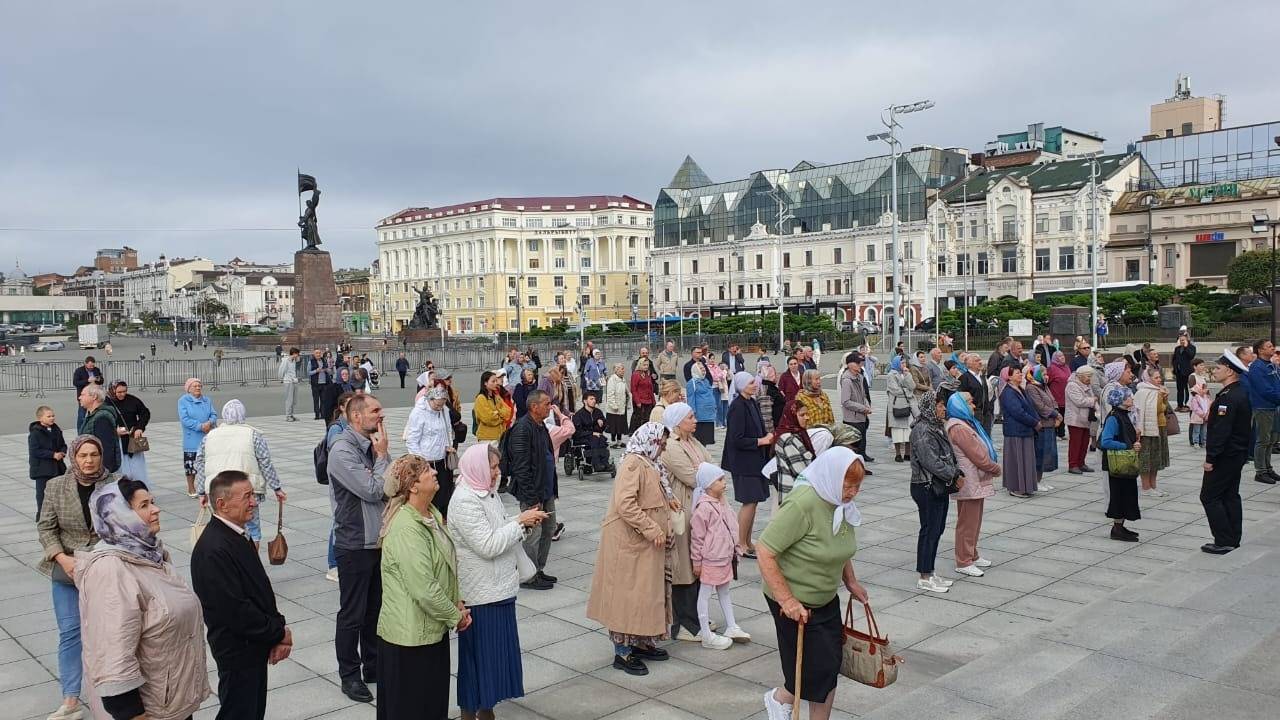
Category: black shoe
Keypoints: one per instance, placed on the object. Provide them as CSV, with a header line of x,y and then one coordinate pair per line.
x,y
369,677
655,654
549,578
897,458
868,459
1075,471
356,691
536,583
1265,478
1086,468
1129,532
630,665
866,471
1213,549
1119,533
556,535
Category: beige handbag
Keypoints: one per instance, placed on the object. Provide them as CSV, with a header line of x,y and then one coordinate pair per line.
x,y
679,522
278,548
202,519
867,657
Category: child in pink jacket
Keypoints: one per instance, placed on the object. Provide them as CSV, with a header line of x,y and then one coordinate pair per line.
x,y
1199,411
713,547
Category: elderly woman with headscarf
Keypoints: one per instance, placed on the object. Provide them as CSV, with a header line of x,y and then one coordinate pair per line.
x,y
704,402
1151,401
144,645
901,387
1080,412
615,405
196,415
682,457
814,399
488,544
66,529
629,589
528,383
933,468
806,553
1057,374
1021,420
919,373
977,460
1046,439
421,600
793,447
235,445
1119,434
746,449
771,399
429,435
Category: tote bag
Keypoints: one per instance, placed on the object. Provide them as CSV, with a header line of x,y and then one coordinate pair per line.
x,y
867,657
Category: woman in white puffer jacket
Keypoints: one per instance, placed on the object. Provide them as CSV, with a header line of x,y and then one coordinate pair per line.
x,y
489,551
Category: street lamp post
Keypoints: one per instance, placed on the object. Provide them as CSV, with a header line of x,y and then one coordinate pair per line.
x,y
1261,221
890,121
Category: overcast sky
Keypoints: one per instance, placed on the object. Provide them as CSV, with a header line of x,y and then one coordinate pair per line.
x,y
165,129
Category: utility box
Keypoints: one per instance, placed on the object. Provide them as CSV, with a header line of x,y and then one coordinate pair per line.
x,y
1173,316
1069,321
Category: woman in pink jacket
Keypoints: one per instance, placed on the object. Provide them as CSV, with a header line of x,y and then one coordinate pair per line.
x,y
976,457
713,548
1058,374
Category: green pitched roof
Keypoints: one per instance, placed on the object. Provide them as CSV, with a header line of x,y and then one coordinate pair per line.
x,y
689,175
1060,176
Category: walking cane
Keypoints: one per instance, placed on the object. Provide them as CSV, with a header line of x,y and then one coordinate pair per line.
x,y
795,700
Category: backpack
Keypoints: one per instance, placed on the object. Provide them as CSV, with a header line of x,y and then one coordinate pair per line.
x,y
320,456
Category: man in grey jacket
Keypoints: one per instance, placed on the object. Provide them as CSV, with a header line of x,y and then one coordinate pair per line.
x,y
936,372
855,401
358,459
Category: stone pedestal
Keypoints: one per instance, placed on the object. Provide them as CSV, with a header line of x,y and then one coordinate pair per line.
x,y
422,336
317,315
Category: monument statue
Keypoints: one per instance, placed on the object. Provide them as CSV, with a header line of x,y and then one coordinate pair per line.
x,y
427,311
307,221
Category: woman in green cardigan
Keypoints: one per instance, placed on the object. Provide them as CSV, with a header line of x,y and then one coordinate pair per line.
x,y
420,599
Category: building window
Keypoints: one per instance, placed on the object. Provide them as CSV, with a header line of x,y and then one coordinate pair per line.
x,y
871,252
533,281
1066,258
786,260
666,268
888,283
586,262
585,300
960,230
942,267
1169,255
1042,259
557,244
871,285
1008,229
666,294
695,266
533,244
1008,261
808,258
1131,270
808,289
984,266
1066,222
533,223
631,243
837,255
759,262
558,263
719,264
908,250
962,264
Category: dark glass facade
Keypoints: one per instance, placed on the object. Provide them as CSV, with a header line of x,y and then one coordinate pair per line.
x,y
844,195
1240,153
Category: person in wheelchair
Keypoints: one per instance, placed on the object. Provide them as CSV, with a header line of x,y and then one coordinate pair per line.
x,y
588,423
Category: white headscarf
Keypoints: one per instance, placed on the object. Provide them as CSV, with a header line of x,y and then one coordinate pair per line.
x,y
821,438
741,380
675,414
706,475
826,476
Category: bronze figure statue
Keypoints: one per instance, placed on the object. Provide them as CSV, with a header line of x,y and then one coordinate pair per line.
x,y
307,221
427,311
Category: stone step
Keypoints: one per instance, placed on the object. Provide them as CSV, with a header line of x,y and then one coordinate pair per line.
x,y
1198,637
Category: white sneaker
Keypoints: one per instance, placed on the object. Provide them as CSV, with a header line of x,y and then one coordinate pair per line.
x,y
943,581
737,634
931,586
1157,492
776,710
1148,492
712,641
68,713
686,636
332,575
970,570
1046,486
982,562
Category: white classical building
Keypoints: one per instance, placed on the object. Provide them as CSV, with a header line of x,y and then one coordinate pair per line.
x,y
517,262
153,287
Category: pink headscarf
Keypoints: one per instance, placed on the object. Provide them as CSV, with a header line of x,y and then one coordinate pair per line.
x,y
474,467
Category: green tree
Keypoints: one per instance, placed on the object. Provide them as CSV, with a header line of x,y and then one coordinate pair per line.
x,y
1250,272
212,309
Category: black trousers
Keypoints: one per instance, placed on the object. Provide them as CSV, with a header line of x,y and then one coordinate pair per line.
x,y
402,374
684,608
1184,391
315,400
860,447
359,602
1220,496
933,520
242,692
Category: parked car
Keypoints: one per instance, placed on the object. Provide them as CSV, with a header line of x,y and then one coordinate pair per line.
x,y
927,325
867,327
51,328
48,346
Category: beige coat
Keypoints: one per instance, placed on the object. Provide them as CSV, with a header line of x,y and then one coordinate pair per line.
x,y
682,458
628,589
141,627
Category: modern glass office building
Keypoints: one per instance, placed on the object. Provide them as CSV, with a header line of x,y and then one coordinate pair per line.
x,y
818,197
1239,153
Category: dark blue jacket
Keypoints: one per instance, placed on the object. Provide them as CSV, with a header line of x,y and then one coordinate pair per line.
x,y
1019,413
1263,383
42,443
742,456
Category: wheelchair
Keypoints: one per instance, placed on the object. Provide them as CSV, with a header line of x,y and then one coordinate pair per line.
x,y
575,461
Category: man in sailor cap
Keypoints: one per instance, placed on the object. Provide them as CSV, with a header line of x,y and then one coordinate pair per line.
x,y
1229,430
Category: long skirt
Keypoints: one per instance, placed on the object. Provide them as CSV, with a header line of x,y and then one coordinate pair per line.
x,y
1123,503
640,416
616,425
413,682
1046,450
823,637
705,432
1153,456
489,669
1020,464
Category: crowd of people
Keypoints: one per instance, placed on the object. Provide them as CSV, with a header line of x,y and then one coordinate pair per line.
x,y
422,546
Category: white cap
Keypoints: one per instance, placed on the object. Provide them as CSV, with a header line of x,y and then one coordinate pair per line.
x,y
1230,357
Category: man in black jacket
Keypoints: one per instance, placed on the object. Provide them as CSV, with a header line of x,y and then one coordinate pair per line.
x,y
1184,354
246,631
320,374
588,432
1229,432
85,374
532,467
402,368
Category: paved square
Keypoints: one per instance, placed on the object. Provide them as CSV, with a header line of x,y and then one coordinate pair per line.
x,y
1052,559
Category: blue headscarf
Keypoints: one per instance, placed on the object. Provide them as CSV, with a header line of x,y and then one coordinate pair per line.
x,y
958,408
896,363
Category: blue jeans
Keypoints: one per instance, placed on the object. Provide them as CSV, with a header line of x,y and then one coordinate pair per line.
x,y
1197,434
66,608
333,560
254,527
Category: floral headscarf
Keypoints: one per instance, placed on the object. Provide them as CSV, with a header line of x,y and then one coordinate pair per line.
x,y
1118,395
1035,374
120,527
74,469
1059,358
645,443
927,410
1114,369
233,412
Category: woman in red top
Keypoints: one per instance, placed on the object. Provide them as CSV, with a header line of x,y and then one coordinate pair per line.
x,y
789,383
642,397
1059,374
